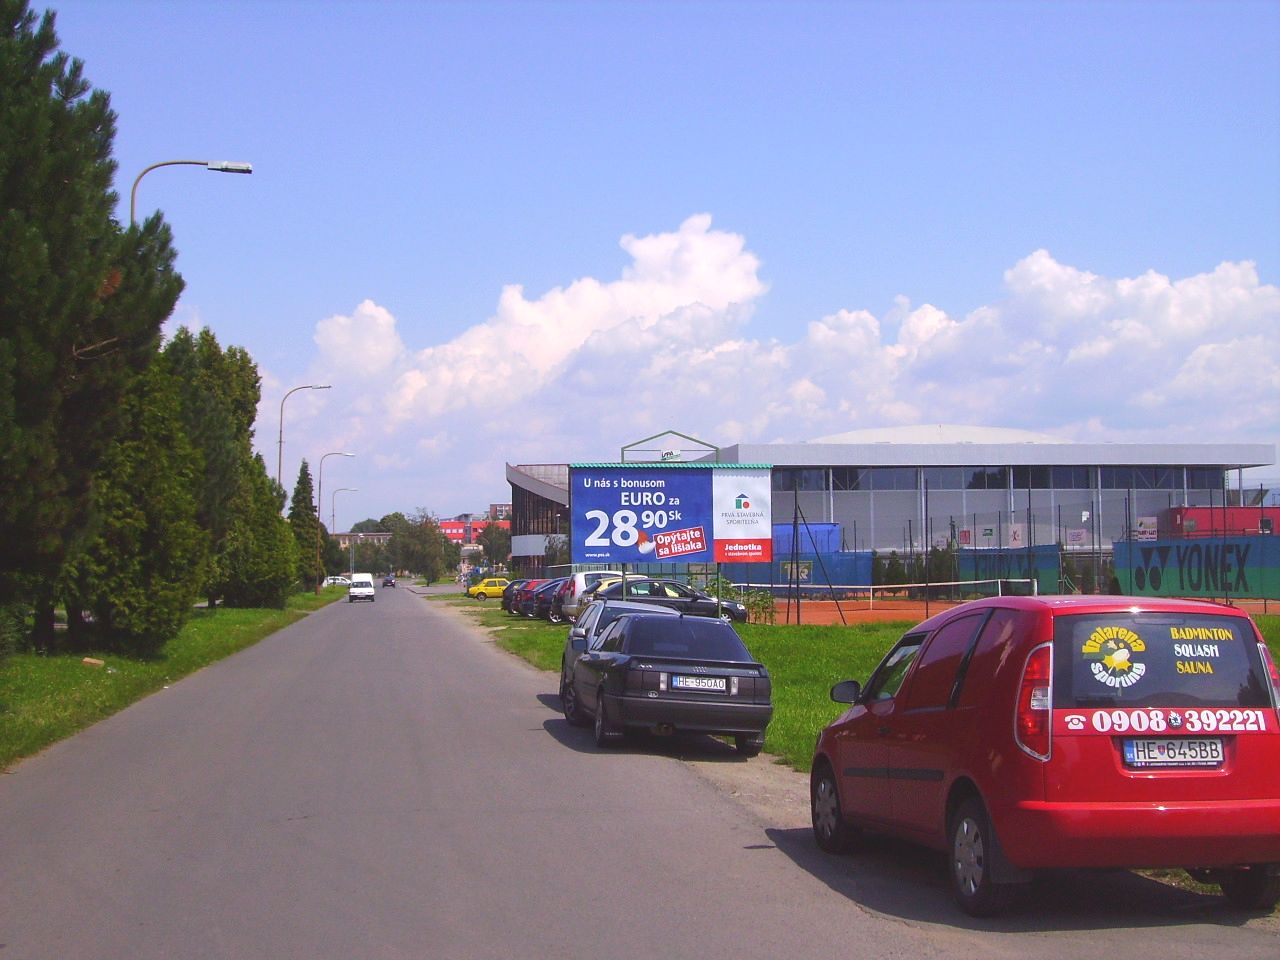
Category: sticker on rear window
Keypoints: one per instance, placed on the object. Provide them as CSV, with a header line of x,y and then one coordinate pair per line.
x,y
1195,648
1112,652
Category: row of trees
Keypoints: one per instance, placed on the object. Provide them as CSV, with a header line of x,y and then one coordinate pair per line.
x,y
128,483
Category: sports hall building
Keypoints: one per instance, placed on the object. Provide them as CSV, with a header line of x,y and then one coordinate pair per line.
x,y
906,490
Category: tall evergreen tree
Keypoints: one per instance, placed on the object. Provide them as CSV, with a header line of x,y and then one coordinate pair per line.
x,y
260,558
219,397
143,565
303,520
81,302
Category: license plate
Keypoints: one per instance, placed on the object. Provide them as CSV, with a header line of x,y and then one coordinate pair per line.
x,y
712,684
1174,752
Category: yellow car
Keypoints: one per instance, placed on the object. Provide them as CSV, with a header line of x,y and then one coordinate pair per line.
x,y
489,587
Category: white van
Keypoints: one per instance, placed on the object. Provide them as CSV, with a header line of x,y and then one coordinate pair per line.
x,y
361,588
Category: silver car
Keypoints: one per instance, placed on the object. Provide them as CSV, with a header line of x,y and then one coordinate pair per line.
x,y
573,603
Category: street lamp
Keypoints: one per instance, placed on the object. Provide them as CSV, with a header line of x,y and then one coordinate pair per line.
x,y
332,506
333,523
320,507
217,166
280,442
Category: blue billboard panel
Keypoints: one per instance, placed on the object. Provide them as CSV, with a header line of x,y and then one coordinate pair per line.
x,y
638,515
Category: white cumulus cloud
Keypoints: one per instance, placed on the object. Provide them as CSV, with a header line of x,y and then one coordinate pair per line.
x,y
574,373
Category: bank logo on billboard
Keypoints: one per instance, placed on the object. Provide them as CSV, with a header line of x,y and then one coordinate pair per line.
x,y
742,503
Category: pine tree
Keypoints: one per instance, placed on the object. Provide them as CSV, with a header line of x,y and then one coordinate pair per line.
x,y
219,397
141,569
81,302
260,557
303,520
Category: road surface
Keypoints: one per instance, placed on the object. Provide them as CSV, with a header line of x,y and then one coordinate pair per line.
x,y
381,781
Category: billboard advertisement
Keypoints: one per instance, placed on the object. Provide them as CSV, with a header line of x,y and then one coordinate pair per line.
x,y
656,514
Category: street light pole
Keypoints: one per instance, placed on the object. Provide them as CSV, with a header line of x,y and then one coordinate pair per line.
x,y
333,522
280,441
320,509
217,166
333,509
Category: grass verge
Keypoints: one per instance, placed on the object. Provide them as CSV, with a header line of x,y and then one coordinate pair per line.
x,y
46,698
804,662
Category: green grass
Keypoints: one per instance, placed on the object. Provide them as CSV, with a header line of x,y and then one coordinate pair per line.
x,y
46,698
804,662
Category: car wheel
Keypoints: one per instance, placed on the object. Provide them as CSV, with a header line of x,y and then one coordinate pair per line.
x,y
972,843
351,599
748,746
555,617
482,596
1251,888
832,833
606,733
570,704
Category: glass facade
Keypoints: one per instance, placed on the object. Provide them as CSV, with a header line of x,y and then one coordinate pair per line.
x,y
908,508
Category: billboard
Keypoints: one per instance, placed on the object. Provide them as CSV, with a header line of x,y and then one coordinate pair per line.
x,y
620,513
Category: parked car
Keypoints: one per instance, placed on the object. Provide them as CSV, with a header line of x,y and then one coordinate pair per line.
x,y
509,592
389,580
361,588
488,587
336,582
588,593
573,603
669,674
674,594
1024,733
522,599
585,632
544,599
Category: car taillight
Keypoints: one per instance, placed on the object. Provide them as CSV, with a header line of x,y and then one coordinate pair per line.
x,y
1275,676
1032,721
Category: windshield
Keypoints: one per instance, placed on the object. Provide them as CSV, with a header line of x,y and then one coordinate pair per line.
x,y
694,638
1156,659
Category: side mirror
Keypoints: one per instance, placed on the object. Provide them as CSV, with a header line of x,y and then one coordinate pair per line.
x,y
577,641
846,691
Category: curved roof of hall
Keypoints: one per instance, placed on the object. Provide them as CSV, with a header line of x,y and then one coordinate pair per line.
x,y
943,445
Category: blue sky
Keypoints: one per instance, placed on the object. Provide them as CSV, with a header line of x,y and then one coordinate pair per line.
x,y
533,232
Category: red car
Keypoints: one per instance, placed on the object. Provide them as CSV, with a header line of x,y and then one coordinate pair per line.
x,y
1022,733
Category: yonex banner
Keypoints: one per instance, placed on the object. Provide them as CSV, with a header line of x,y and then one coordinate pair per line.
x,y
686,513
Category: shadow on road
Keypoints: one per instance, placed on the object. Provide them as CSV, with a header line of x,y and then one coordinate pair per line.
x,y
680,746
901,880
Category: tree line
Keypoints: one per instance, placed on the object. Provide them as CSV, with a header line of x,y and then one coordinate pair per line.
x,y
129,488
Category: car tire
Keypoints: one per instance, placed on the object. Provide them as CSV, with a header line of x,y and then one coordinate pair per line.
x,y
482,596
971,845
607,734
831,831
554,617
1251,888
351,599
571,705
748,745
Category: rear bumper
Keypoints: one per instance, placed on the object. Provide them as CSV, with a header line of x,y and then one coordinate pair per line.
x,y
1188,834
695,716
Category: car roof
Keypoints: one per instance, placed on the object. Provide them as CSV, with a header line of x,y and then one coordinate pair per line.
x,y
1071,604
638,607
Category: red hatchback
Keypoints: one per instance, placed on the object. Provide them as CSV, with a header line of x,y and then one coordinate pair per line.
x,y
1022,733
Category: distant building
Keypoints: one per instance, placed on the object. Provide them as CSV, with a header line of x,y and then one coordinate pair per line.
x,y
467,527
344,539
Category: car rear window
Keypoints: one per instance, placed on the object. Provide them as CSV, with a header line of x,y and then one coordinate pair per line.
x,y
1157,659
697,638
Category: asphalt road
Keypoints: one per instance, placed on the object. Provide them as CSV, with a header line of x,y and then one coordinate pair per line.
x,y
380,781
